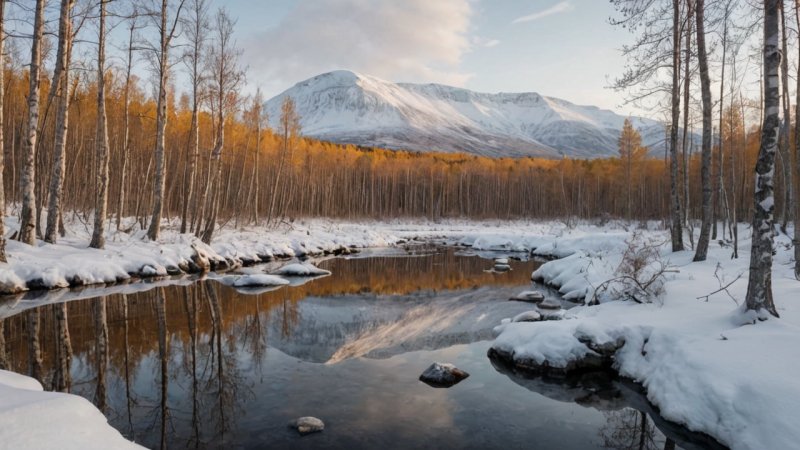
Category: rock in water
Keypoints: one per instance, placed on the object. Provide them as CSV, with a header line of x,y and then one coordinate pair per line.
x,y
550,303
529,296
528,316
502,267
301,270
501,261
308,424
442,375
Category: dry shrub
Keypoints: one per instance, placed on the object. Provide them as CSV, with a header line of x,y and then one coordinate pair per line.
x,y
640,275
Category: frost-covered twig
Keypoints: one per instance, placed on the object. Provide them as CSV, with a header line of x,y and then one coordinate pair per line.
x,y
721,288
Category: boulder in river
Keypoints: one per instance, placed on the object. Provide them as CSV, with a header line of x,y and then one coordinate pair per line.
x,y
308,424
528,296
550,303
442,375
501,261
528,316
501,267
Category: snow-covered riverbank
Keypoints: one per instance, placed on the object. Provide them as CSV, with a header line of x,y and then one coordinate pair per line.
x,y
703,363
700,365
33,419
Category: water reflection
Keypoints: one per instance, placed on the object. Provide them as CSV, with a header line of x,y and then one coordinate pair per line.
x,y
202,365
631,422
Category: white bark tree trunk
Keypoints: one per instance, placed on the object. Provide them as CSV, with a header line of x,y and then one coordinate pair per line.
x,y
101,142
62,92
2,158
759,287
705,170
27,227
676,231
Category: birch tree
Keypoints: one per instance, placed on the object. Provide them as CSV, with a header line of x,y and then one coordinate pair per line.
x,y
27,227
256,118
759,287
705,170
676,230
225,77
796,185
101,140
60,91
195,27
166,32
784,152
126,105
661,25
3,257
290,128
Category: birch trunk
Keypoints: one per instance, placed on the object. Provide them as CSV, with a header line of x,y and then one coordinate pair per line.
x,y
62,92
27,227
675,202
3,257
796,185
101,142
159,182
195,34
705,170
759,287
686,98
126,106
722,197
784,145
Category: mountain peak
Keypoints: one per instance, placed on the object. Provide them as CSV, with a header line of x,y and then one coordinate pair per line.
x,y
337,78
348,107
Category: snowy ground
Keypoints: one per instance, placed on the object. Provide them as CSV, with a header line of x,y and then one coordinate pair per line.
x,y
33,419
703,363
700,365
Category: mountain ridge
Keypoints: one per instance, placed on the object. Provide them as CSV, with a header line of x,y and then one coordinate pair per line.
x,y
348,107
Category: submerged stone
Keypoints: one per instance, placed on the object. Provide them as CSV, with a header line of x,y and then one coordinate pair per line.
x,y
528,316
307,425
442,375
528,296
502,267
550,303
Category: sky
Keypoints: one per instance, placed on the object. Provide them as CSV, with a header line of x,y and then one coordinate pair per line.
x,y
559,48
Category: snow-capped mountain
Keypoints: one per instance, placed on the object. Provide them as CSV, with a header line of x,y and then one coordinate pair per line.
x,y
347,107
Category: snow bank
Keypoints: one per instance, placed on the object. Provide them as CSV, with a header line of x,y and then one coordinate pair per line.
x,y
701,367
131,255
62,421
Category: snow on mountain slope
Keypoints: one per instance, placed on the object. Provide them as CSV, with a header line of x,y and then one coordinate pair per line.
x,y
347,107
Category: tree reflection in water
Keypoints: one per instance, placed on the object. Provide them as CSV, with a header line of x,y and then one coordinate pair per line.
x,y
173,366
631,422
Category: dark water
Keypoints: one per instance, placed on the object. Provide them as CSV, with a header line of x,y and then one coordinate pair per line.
x,y
203,365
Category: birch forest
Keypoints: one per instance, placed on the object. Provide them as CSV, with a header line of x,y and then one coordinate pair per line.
x,y
135,116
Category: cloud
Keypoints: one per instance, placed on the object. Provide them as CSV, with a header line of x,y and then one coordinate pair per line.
x,y
410,40
558,8
478,41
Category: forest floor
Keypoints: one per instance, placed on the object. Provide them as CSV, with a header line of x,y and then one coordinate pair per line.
x,y
700,357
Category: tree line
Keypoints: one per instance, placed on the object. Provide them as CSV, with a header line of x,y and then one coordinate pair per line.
x,y
87,138
680,43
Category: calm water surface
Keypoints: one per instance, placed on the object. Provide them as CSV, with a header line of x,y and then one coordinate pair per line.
x,y
204,365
